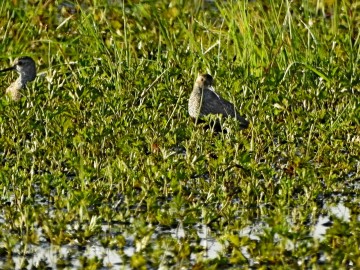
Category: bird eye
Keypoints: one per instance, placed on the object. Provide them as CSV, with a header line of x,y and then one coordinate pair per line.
x,y
20,63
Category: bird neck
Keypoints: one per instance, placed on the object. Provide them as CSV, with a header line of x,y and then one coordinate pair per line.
x,y
21,81
15,87
26,77
198,90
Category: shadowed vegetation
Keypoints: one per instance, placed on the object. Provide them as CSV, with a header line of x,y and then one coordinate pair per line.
x,y
100,149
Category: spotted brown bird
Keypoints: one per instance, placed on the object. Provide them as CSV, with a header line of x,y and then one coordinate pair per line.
x,y
204,101
26,68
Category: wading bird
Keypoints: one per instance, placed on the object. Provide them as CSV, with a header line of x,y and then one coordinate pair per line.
x,y
25,66
204,101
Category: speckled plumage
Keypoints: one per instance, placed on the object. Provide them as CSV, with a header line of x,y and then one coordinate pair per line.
x,y
204,101
25,66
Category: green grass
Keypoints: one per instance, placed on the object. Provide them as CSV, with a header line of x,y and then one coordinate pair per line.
x,y
103,136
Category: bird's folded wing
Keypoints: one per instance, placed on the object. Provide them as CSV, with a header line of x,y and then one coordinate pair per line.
x,y
214,104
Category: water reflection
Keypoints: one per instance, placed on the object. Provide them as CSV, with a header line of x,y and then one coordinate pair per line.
x,y
324,221
208,240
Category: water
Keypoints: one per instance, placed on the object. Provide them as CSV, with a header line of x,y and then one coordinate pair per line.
x,y
72,255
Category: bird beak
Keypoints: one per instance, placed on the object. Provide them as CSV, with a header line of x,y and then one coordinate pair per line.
x,y
7,69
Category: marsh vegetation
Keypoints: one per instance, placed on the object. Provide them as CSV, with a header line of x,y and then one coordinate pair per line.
x,y
100,151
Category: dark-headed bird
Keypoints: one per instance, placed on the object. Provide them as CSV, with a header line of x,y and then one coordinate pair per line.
x,y
25,66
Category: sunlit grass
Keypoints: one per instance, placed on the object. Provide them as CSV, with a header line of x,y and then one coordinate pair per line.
x,y
103,137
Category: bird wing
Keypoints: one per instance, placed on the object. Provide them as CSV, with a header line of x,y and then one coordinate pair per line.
x,y
214,104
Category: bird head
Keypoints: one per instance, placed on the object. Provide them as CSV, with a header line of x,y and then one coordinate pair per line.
x,y
25,66
205,81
